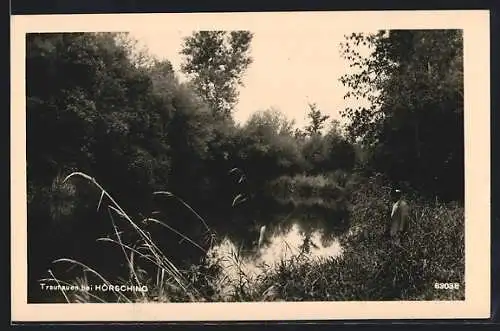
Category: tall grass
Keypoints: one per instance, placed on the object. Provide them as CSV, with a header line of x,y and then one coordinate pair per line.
x,y
370,267
171,284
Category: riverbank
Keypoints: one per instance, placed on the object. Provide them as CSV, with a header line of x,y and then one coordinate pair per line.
x,y
360,264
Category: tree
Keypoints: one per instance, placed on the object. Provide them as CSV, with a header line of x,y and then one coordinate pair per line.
x,y
271,122
317,120
329,152
413,124
216,62
268,148
100,114
340,153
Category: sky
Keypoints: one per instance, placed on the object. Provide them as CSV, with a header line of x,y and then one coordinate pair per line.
x,y
289,70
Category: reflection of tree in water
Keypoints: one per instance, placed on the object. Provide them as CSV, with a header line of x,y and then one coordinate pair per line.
x,y
307,243
320,220
320,224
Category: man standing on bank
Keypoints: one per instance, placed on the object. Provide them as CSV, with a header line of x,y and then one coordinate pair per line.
x,y
399,217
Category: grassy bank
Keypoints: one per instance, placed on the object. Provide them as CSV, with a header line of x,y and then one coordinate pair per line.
x,y
370,268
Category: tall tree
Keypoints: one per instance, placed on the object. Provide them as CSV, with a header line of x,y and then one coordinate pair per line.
x,y
413,82
216,62
317,120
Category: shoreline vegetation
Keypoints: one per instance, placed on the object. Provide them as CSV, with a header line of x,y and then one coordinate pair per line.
x,y
136,179
369,266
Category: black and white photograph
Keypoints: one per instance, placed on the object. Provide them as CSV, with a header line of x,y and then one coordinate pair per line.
x,y
252,159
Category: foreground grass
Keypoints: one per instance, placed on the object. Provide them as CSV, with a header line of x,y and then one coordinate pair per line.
x,y
371,267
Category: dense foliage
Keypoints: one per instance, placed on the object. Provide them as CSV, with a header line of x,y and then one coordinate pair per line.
x,y
413,128
96,105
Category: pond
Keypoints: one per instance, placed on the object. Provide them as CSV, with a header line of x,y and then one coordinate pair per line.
x,y
290,231
280,244
310,232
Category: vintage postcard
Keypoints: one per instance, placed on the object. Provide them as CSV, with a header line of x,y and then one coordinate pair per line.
x,y
250,166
